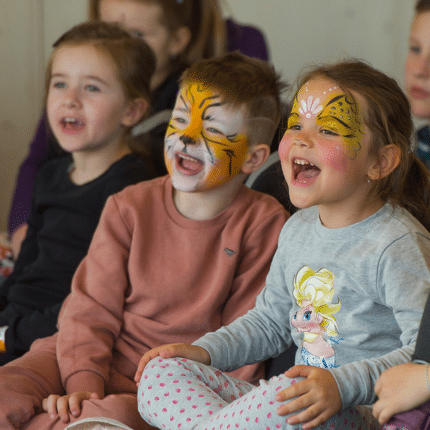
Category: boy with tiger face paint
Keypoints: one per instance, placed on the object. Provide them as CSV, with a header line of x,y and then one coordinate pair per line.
x,y
206,142
220,130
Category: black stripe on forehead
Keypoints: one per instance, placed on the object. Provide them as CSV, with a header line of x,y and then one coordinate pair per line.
x,y
218,104
185,103
190,99
335,99
349,102
210,98
201,89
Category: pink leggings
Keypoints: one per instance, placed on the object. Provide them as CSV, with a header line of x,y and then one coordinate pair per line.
x,y
183,394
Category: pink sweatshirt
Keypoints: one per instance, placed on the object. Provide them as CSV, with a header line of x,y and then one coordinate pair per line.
x,y
152,277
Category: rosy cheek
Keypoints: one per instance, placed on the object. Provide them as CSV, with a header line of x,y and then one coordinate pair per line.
x,y
285,146
335,156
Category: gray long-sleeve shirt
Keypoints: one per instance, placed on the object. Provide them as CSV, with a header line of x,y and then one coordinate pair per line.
x,y
350,298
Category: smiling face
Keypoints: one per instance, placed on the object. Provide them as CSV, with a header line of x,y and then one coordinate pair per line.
x,y
306,319
86,104
324,152
417,66
205,144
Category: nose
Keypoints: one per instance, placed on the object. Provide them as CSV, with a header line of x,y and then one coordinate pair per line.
x,y
187,140
303,140
71,98
422,66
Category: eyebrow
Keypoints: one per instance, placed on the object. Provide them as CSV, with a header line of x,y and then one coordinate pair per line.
x,y
91,77
336,119
182,109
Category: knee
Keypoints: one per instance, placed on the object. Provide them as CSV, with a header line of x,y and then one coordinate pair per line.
x,y
277,384
156,371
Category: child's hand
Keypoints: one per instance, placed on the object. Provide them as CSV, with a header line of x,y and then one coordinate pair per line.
x,y
399,389
63,406
184,350
318,394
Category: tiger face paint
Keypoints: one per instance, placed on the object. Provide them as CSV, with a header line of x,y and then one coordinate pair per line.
x,y
205,144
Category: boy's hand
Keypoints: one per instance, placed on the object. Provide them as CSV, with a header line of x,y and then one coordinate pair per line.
x,y
67,405
318,394
184,350
400,389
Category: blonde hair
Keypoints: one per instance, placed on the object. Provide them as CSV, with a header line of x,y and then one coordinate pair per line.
x,y
318,288
134,60
202,17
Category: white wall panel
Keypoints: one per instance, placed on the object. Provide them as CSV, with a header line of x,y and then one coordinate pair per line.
x,y
312,31
21,70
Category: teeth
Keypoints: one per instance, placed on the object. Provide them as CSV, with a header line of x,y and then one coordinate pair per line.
x,y
70,120
302,162
187,157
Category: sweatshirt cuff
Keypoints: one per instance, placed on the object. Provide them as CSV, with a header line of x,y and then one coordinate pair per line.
x,y
3,339
85,380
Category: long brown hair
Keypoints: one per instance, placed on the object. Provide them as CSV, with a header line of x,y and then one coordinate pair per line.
x,y
388,117
202,17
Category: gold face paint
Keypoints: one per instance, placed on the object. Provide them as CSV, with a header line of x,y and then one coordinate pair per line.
x,y
205,145
340,115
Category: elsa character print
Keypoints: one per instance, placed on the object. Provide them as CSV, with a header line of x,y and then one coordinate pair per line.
x,y
314,293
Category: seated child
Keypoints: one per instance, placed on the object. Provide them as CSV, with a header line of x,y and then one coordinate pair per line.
x,y
92,104
417,76
404,390
171,259
338,286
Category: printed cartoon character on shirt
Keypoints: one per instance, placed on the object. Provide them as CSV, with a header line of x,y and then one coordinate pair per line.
x,y
314,294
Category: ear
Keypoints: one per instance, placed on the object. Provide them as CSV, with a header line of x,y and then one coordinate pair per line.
x,y
179,41
255,158
388,159
134,112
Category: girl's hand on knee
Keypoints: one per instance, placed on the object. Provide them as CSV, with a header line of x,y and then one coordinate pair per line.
x,y
184,350
64,406
317,394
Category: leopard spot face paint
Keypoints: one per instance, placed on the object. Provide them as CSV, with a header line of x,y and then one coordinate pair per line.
x,y
205,144
338,113
325,152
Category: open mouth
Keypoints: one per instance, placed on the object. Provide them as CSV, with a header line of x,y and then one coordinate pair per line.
x,y
71,124
304,171
188,165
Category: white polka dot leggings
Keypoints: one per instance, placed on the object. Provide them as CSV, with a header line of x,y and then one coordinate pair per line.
x,y
183,394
